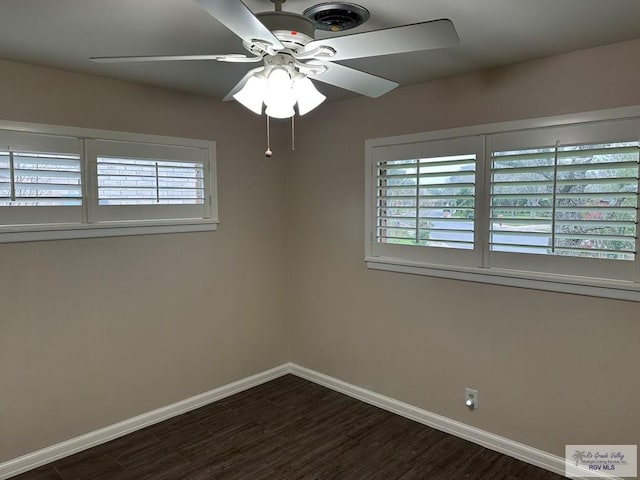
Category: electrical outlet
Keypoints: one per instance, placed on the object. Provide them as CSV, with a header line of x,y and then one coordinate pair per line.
x,y
471,398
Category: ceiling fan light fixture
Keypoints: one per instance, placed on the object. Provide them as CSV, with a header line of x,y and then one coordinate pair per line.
x,y
279,86
253,93
280,93
285,42
279,96
307,94
280,111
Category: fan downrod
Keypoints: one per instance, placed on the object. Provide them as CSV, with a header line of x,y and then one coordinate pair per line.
x,y
278,4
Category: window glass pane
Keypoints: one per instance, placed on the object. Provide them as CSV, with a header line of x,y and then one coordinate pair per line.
x,y
134,181
521,200
427,201
596,200
40,179
577,200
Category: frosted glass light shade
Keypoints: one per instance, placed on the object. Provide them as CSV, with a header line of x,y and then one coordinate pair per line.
x,y
252,94
280,93
280,111
307,94
280,97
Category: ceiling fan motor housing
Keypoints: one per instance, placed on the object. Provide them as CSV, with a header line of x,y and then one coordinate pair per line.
x,y
293,30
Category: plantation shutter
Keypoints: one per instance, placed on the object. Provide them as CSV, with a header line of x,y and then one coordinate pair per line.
x,y
132,181
566,197
427,201
522,200
578,200
142,181
41,179
426,197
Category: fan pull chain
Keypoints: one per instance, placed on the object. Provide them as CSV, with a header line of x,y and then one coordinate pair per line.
x,y
293,133
268,152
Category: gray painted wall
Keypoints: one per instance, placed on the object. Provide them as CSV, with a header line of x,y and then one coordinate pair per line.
x,y
96,331
551,369
99,330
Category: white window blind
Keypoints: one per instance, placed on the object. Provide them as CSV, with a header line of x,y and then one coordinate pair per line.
x,y
427,201
131,181
66,182
563,200
572,200
137,181
41,179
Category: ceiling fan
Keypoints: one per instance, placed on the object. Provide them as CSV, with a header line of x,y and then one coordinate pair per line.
x,y
285,44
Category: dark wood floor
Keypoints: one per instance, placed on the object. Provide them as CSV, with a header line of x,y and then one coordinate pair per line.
x,y
283,430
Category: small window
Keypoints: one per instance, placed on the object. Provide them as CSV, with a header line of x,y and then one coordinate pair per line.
x,y
59,182
147,182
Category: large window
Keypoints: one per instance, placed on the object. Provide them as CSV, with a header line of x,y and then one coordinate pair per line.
x,y
57,182
553,206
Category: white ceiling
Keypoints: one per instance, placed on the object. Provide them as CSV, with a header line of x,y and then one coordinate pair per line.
x,y
65,33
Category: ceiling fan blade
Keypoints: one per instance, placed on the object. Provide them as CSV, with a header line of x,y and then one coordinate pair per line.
x,y
164,58
237,17
241,83
404,39
355,80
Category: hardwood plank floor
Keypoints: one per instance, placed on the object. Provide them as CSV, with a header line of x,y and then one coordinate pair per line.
x,y
288,429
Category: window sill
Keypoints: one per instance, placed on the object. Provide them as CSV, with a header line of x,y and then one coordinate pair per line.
x,y
33,233
619,290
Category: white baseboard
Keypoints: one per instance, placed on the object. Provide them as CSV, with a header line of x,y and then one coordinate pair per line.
x,y
103,435
533,456
486,439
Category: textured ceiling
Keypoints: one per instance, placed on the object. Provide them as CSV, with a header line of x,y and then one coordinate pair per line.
x,y
65,33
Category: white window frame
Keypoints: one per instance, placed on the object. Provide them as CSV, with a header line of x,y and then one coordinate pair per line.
x,y
611,131
16,141
90,225
119,214
482,272
428,149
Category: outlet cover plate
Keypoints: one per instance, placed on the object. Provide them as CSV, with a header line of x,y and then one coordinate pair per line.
x,y
468,392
